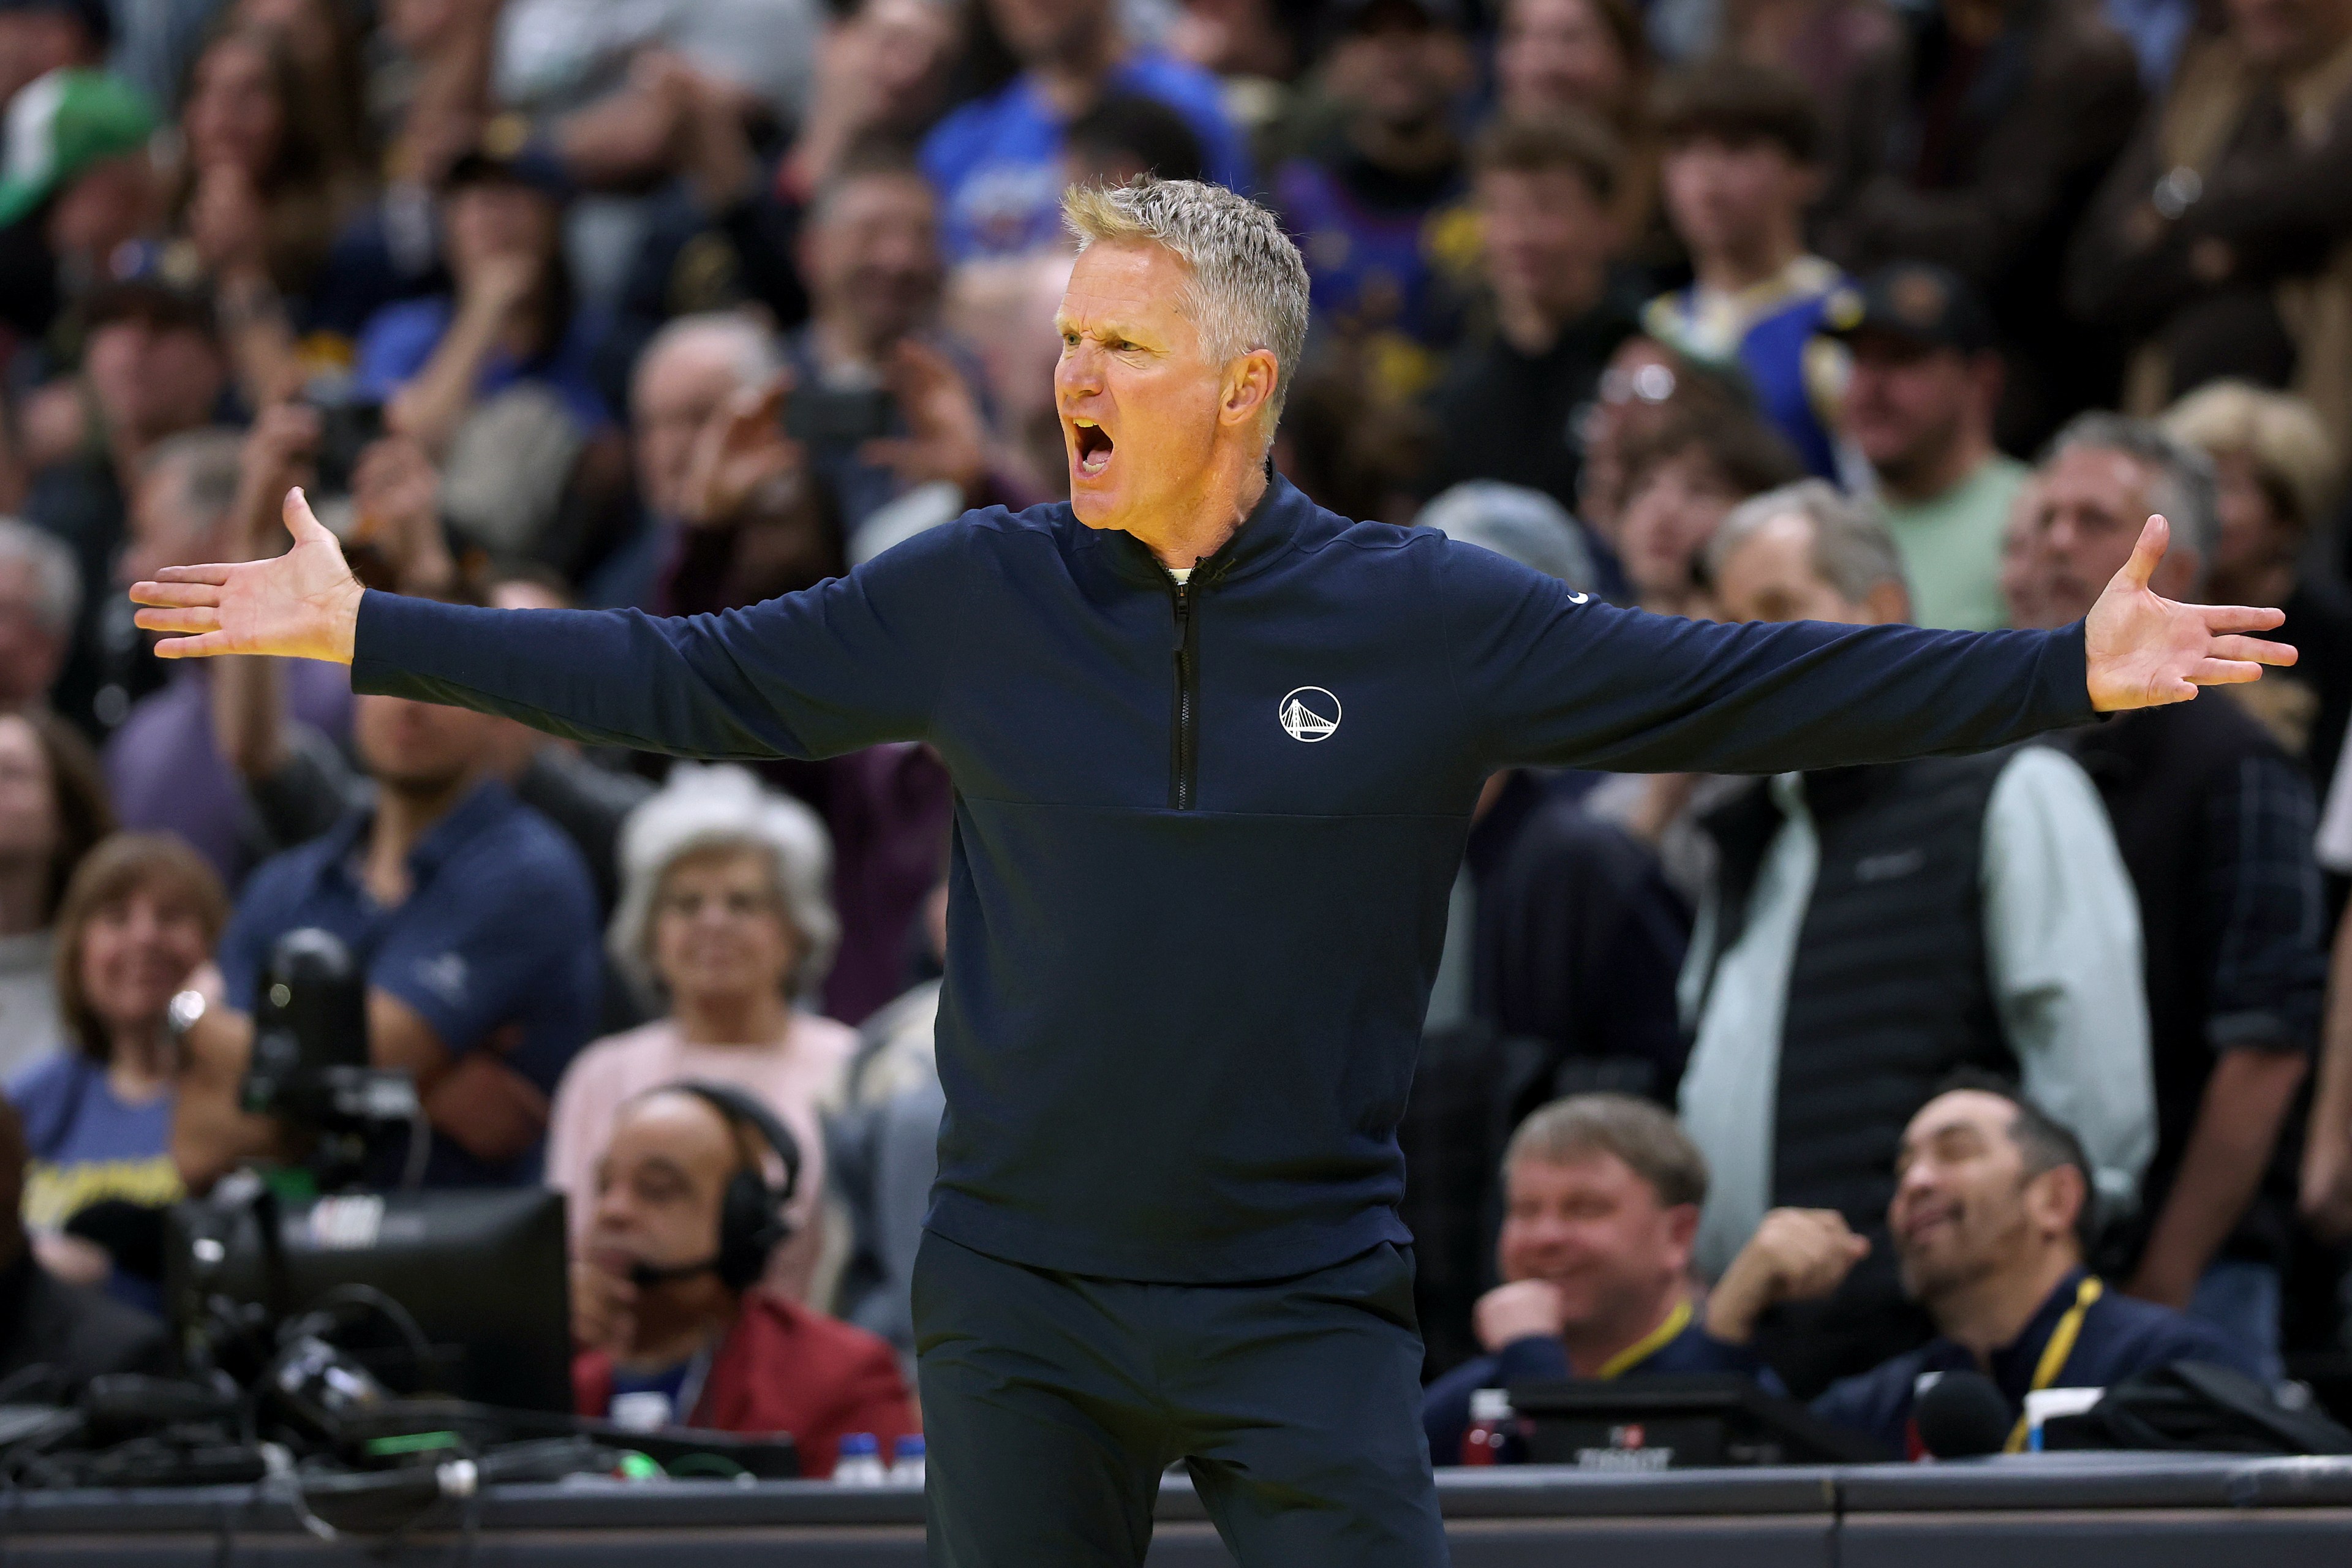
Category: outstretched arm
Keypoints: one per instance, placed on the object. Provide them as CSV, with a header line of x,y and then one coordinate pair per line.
x,y
847,664
1557,679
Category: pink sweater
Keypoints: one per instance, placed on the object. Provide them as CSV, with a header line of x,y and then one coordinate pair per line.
x,y
791,1076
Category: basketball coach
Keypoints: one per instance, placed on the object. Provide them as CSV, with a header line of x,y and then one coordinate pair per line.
x,y
1215,752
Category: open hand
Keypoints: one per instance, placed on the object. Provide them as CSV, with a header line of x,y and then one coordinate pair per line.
x,y
304,604
2143,650
741,455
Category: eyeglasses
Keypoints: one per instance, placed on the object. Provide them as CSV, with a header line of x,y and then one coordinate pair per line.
x,y
1648,383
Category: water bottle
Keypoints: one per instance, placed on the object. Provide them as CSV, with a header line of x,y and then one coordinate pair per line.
x,y
907,1461
1493,1437
860,1464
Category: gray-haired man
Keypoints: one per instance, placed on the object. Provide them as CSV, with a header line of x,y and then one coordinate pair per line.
x,y
40,599
1215,752
1872,929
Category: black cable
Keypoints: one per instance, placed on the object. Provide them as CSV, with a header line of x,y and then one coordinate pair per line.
x,y
385,1305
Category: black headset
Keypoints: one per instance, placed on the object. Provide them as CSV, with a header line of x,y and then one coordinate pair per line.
x,y
751,1223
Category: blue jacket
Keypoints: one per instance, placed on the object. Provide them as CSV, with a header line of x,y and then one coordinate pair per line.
x,y
1205,837
2119,1336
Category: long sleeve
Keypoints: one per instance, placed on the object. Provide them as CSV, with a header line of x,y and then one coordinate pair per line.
x,y
2062,944
1550,677
855,661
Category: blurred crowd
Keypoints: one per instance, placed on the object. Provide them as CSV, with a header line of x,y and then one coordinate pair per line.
x,y
1860,311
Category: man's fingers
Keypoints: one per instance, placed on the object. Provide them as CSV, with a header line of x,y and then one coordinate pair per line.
x,y
216,574
2153,536
192,618
2225,673
2221,619
203,646
174,595
2253,650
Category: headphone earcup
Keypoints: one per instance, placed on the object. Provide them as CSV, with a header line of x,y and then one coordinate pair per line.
x,y
750,1227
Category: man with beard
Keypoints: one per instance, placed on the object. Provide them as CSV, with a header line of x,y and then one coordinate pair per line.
x,y
1989,1221
475,923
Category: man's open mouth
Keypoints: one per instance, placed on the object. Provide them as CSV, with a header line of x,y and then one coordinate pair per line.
x,y
1094,447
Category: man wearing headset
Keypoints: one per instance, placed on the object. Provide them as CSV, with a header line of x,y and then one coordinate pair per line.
x,y
674,1328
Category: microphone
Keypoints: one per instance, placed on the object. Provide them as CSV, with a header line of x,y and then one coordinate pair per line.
x,y
646,1275
1962,1416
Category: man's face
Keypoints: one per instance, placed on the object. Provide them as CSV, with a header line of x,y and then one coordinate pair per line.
x,y
1771,576
660,1184
677,392
498,217
31,651
2278,33
1727,196
104,207
1594,1229
28,796
419,748
1906,403
2093,503
1039,31
1544,231
1558,54
1138,401
1961,1210
873,255
150,381
1395,66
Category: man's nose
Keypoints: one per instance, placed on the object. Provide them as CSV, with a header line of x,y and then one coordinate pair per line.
x,y
1078,372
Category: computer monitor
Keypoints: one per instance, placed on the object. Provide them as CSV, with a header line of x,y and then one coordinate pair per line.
x,y
481,1272
1683,1422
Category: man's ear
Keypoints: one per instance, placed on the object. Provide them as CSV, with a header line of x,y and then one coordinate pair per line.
x,y
1682,1230
1249,387
2055,1200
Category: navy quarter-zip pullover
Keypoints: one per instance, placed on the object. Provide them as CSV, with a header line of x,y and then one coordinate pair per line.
x,y
1204,835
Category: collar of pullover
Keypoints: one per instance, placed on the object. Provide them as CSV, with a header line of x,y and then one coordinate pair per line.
x,y
1270,528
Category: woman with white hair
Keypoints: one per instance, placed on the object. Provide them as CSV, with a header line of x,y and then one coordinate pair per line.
x,y
726,919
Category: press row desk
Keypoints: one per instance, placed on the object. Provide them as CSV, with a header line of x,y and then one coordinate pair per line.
x,y
2045,1512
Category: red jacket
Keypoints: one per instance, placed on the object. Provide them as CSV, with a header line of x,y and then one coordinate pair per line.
x,y
783,1368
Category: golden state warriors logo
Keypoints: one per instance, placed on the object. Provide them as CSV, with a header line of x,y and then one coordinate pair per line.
x,y
1310,713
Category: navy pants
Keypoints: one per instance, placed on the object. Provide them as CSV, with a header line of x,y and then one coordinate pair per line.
x,y
1053,1402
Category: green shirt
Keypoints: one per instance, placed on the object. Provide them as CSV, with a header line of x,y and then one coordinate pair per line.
x,y
1951,547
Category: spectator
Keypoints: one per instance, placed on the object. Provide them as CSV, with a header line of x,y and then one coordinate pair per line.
x,y
1371,208
1602,1193
137,923
1741,165
80,188
1680,484
684,379
1990,1220
166,766
268,181
876,398
1589,58
493,378
1990,885
474,921
1822,43
1919,400
40,600
997,160
1646,386
2276,471
38,36
724,919
74,1331
705,1344
1975,142
322,40
1508,407
152,367
881,75
2216,243
2215,824
53,807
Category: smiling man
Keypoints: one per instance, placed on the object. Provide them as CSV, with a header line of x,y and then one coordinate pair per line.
x,y
1190,943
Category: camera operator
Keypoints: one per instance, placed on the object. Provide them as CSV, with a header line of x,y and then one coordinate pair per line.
x,y
675,1330
475,920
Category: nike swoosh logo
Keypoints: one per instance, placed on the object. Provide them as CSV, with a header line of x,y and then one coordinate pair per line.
x,y
1579,598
